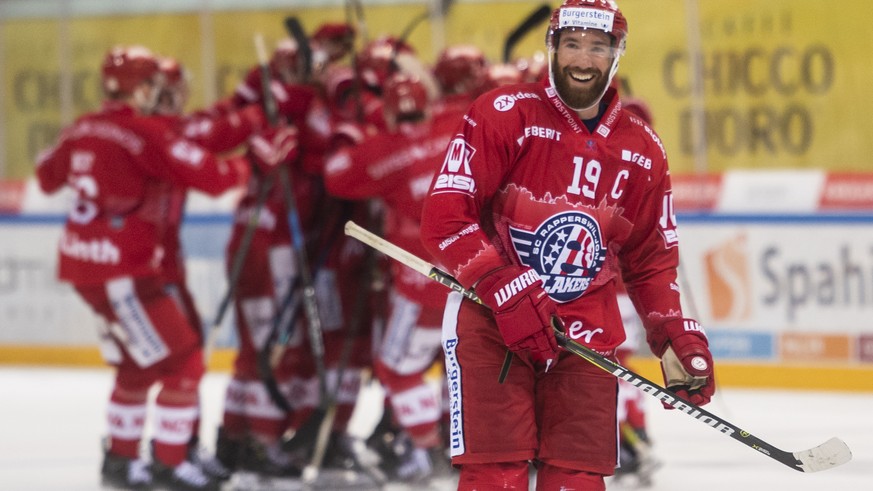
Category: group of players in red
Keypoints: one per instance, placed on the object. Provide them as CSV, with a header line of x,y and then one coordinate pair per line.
x,y
319,135
344,134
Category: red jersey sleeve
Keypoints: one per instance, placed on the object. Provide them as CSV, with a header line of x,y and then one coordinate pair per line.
x,y
181,161
221,133
650,258
52,167
473,169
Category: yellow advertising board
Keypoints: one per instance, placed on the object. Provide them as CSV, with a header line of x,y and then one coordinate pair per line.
x,y
782,84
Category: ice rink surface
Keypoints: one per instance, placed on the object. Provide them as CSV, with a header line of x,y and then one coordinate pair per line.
x,y
52,419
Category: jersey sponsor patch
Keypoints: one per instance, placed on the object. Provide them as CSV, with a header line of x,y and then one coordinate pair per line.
x,y
636,158
566,250
586,18
505,102
455,174
457,446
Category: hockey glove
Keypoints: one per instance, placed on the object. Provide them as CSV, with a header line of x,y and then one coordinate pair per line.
x,y
522,310
272,147
685,360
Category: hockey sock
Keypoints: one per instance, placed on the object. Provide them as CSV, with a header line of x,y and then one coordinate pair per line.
x,y
174,426
126,422
234,424
418,411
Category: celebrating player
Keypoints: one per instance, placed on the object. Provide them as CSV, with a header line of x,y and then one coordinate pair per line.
x,y
396,167
123,164
547,193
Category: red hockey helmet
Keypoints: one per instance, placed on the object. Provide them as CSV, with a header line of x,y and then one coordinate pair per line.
x,y
285,61
534,68
404,95
603,15
332,31
376,62
460,69
335,39
500,74
125,68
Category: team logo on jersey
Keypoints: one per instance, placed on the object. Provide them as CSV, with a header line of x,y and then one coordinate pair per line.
x,y
566,250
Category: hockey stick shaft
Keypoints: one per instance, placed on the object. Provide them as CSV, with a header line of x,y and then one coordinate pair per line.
x,y
310,304
368,280
295,30
830,454
242,251
533,19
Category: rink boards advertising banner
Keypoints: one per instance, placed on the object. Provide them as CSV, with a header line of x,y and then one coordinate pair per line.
x,y
769,285
782,83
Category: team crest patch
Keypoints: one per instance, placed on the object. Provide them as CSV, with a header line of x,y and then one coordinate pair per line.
x,y
566,250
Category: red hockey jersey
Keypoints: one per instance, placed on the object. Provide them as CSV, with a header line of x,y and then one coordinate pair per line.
x,y
525,182
217,133
397,168
120,164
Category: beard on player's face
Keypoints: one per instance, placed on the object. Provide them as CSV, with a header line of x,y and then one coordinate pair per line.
x,y
579,88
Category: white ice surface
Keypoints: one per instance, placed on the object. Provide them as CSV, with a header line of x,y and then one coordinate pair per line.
x,y
52,420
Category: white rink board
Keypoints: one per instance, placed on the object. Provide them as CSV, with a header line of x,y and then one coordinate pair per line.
x,y
781,273
748,278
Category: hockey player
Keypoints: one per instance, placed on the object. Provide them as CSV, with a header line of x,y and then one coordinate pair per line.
x,y
219,132
267,295
547,193
118,161
396,168
461,72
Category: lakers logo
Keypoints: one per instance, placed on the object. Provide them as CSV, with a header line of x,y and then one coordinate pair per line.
x,y
566,250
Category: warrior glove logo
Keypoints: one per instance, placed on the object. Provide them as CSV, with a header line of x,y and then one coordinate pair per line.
x,y
566,250
515,286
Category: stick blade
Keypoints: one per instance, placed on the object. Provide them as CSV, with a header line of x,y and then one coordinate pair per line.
x,y
829,454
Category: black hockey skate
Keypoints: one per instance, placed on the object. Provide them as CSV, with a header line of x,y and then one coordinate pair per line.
x,y
186,476
125,473
210,464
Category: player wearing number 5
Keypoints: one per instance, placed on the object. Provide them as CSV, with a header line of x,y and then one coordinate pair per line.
x,y
122,164
548,192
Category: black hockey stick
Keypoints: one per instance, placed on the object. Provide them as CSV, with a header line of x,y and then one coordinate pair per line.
x,y
269,354
305,436
310,304
444,6
328,408
236,266
242,251
295,30
542,13
829,454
